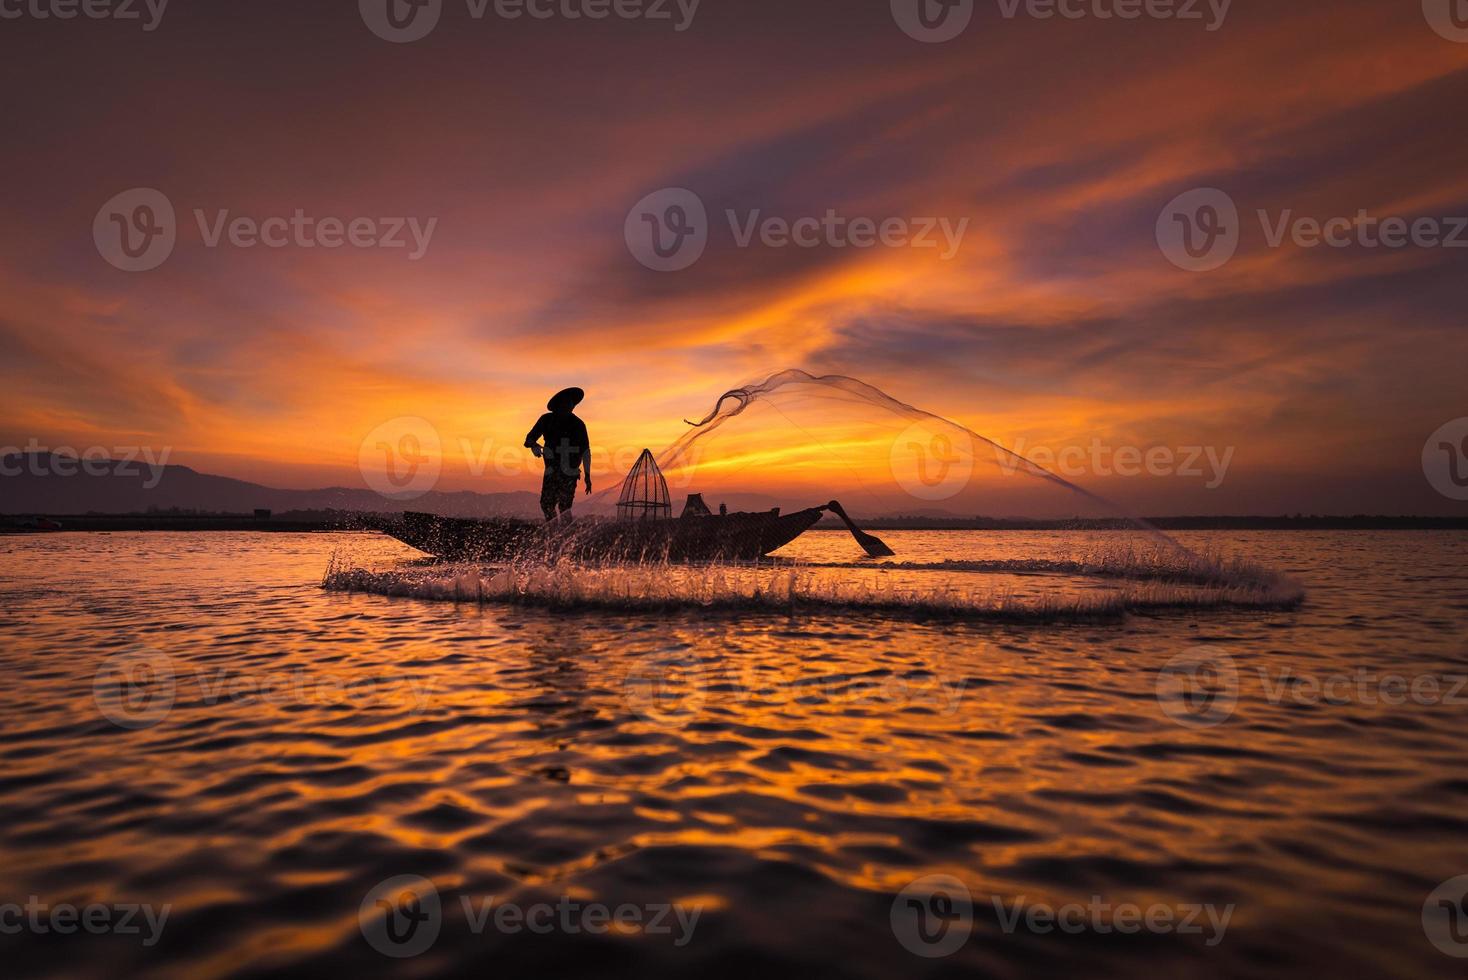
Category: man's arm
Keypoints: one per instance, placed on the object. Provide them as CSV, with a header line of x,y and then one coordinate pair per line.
x,y
586,457
534,436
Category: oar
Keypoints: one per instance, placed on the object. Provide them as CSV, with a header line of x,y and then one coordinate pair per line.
x,y
870,543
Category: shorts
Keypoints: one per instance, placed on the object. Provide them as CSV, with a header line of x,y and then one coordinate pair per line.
x,y
557,491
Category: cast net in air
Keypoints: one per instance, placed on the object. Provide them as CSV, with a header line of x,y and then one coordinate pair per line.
x,y
1034,544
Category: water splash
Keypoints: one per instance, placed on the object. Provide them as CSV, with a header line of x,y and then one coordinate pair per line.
x,y
1105,584
867,431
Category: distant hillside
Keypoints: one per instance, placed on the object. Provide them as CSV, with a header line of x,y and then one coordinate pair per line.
x,y
30,485
113,487
134,488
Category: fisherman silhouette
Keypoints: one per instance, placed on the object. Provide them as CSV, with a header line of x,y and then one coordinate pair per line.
x,y
566,451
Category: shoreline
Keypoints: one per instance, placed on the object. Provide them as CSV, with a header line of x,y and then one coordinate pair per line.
x,y
285,523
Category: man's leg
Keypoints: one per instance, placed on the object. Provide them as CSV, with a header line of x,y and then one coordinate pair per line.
x,y
568,495
549,494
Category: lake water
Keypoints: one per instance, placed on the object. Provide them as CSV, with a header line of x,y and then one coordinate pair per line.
x,y
195,727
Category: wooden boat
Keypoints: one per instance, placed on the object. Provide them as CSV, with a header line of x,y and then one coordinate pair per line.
x,y
644,531
731,537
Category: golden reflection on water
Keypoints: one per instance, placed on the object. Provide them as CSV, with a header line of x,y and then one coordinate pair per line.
x,y
319,742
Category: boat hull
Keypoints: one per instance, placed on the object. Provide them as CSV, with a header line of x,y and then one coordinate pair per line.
x,y
731,537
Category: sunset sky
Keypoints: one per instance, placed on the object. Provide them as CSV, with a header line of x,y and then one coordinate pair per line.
x,y
1059,321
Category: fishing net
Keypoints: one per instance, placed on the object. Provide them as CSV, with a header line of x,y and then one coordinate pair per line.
x,y
795,441
798,437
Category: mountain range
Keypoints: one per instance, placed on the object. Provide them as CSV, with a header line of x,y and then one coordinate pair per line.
x,y
43,483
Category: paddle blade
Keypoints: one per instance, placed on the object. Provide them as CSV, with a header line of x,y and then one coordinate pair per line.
x,y
874,546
